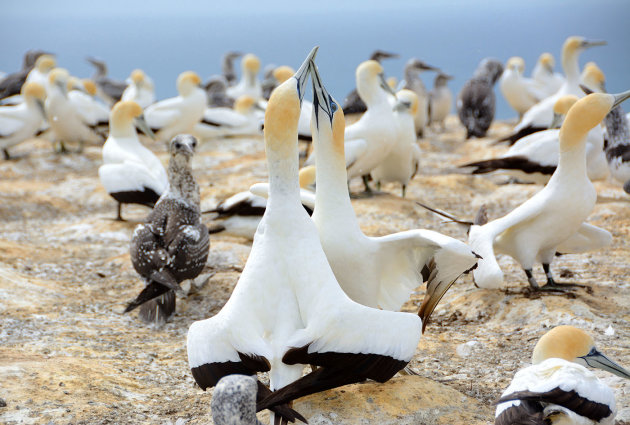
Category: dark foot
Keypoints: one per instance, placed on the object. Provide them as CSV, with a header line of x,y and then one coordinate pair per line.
x,y
5,152
552,285
366,179
532,280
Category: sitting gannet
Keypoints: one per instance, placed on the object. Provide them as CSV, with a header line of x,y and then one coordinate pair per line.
x,y
227,67
11,84
558,388
243,120
249,84
402,162
39,74
287,309
539,116
173,244
179,114
553,219
109,90
140,89
130,173
593,78
82,96
379,272
216,89
413,68
440,100
22,121
544,75
520,93
476,101
617,146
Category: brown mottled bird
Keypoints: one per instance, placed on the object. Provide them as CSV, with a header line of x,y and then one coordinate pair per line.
x,y
172,245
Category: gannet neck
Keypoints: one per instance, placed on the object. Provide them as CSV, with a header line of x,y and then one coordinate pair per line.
x,y
182,184
368,78
570,65
121,118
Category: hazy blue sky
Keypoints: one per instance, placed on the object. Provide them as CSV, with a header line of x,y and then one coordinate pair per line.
x,y
167,37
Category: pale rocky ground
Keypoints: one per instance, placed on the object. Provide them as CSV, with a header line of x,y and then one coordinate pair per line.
x,y
68,355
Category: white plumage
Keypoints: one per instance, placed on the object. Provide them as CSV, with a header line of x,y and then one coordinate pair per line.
x,y
244,120
520,92
22,121
249,85
140,89
543,74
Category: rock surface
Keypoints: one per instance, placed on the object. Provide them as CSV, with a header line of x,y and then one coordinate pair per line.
x,y
68,355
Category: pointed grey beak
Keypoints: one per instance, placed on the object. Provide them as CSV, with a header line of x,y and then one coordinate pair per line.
x,y
401,105
42,108
302,74
593,43
321,99
598,360
142,125
384,84
620,97
557,121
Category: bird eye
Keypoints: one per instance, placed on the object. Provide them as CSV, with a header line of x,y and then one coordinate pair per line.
x,y
178,145
333,106
194,144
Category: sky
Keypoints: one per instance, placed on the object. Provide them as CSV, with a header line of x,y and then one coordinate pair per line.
x,y
167,37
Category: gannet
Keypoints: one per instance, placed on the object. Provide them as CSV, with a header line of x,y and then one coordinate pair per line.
x,y
234,401
369,140
241,213
130,173
558,388
287,306
68,125
39,74
539,116
179,114
402,162
353,104
109,90
553,219
440,100
173,244
413,68
476,101
82,96
593,78
617,146
21,122
216,89
249,84
544,75
11,84
534,158
227,67
140,89
275,76
379,272
243,120
521,93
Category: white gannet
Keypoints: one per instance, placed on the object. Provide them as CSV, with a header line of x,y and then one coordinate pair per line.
x,y
227,67
369,140
521,93
553,219
476,100
81,94
539,116
140,89
534,158
593,78
413,68
109,90
67,124
21,122
241,213
617,146
543,73
379,272
130,173
249,84
440,100
39,74
287,305
11,84
243,120
402,161
172,245
558,388
179,114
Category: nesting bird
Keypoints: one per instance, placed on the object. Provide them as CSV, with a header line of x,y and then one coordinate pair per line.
x,y
440,100
249,83
39,74
140,89
172,245
216,89
558,388
11,84
476,100
22,121
543,73
520,92
82,96
243,120
109,89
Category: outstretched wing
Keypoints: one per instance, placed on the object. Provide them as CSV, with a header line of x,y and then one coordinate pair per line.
x,y
587,238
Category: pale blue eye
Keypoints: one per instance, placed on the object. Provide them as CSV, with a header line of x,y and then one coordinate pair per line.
x,y
333,106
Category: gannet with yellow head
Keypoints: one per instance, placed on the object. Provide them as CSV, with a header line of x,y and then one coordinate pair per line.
x,y
553,219
440,100
130,173
81,94
39,74
243,120
520,92
543,73
287,305
11,84
593,78
539,116
558,388
249,83
22,121
140,89
180,114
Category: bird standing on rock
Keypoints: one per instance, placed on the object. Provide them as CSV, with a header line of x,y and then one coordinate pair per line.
x,y
172,245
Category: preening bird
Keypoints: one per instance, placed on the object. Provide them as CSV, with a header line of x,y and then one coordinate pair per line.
x,y
21,122
172,245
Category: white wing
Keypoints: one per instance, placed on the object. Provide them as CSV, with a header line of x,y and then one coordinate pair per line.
x,y
163,113
129,176
587,238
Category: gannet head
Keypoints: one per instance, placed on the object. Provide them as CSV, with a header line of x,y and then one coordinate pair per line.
x,y
516,64
419,65
187,82
379,55
574,345
560,109
547,60
406,101
244,103
90,86
283,73
232,55
251,63
183,146
137,76
370,74
74,83
45,63
593,77
576,44
442,79
489,69
307,176
34,92
328,118
127,112
59,77
283,110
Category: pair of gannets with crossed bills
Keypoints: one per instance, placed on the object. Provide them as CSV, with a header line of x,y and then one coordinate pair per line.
x,y
543,73
130,173
558,388
22,121
553,219
173,244
539,116
287,309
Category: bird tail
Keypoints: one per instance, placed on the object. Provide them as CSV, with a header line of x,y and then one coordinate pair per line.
x,y
159,309
525,131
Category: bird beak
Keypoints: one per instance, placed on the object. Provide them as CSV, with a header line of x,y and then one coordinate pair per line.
x,y
384,84
401,105
321,99
586,44
557,121
142,125
620,97
598,360
302,74
41,107
424,67
62,87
